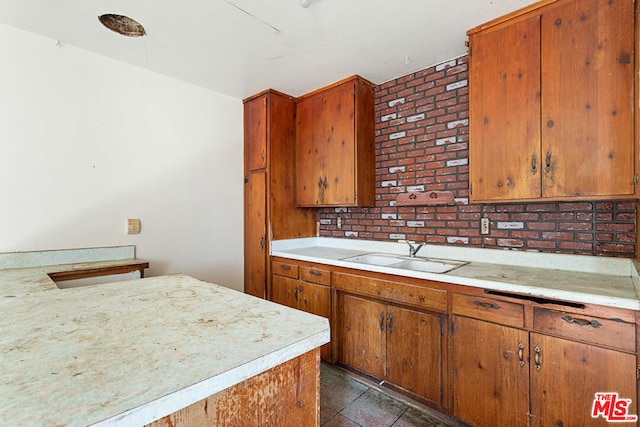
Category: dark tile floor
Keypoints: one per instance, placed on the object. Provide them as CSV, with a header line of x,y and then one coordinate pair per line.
x,y
350,401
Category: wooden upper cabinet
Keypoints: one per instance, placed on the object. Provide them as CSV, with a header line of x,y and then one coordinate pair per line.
x,y
505,112
335,145
255,130
587,102
552,103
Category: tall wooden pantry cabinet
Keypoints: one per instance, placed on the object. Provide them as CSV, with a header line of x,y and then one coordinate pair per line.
x,y
270,210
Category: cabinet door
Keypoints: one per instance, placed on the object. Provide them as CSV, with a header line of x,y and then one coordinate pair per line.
x,y
414,351
255,133
490,385
284,291
316,299
587,98
309,152
569,376
363,325
338,126
304,296
504,121
255,244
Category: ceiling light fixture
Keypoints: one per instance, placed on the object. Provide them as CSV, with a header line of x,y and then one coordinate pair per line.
x,y
305,3
122,25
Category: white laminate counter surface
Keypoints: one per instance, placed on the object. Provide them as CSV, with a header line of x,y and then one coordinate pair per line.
x,y
128,353
16,282
606,281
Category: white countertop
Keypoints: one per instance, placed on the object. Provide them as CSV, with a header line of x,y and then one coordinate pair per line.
x,y
606,281
128,353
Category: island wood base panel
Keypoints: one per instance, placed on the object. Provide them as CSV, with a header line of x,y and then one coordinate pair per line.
x,y
286,395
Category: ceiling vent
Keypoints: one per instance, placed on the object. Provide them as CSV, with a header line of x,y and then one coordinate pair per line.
x,y
122,25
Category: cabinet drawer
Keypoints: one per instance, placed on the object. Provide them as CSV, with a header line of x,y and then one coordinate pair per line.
x,y
315,275
506,313
404,293
606,332
284,269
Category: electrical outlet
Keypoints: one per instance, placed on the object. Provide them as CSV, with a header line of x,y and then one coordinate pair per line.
x,y
484,225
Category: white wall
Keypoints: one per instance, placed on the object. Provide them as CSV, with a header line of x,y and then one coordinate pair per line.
x,y
87,142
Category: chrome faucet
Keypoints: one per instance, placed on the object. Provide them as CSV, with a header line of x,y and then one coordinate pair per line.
x,y
413,250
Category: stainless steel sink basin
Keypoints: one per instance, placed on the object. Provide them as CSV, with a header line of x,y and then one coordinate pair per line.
x,y
428,265
375,259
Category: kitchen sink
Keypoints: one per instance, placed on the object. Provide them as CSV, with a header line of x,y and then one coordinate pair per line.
x,y
428,265
374,259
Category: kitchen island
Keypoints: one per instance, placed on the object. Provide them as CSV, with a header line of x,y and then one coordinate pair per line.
x,y
133,352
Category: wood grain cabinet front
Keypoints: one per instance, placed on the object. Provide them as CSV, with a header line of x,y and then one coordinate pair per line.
x,y
290,287
547,375
551,103
270,211
335,145
391,343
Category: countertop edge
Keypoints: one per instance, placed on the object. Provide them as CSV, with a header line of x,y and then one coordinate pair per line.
x,y
450,277
180,399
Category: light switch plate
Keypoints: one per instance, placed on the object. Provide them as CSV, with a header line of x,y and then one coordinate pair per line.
x,y
133,226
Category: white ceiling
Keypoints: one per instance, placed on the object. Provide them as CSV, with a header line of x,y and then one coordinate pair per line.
x,y
240,47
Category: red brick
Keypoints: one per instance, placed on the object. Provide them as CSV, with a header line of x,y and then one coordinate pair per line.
x,y
607,222
541,244
582,226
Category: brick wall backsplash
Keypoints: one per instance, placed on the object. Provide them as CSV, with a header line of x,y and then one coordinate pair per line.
x,y
422,144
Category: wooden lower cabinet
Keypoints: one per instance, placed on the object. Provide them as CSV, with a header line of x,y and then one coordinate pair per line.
x,y
303,295
398,345
490,385
504,359
509,376
570,374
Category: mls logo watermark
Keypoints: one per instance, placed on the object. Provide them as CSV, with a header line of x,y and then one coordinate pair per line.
x,y
612,408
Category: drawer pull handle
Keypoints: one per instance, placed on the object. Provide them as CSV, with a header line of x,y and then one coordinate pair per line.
x,y
382,321
582,322
295,294
486,305
537,358
521,354
315,273
285,267
389,324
